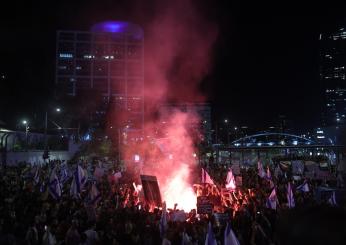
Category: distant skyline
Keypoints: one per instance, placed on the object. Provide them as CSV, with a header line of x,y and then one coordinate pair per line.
x,y
266,57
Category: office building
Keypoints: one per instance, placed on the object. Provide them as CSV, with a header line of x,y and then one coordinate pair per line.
x,y
105,61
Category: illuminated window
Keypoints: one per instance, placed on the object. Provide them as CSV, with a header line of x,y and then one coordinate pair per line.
x,y
65,55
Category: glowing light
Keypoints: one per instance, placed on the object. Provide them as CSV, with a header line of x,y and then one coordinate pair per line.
x,y
137,158
118,27
179,191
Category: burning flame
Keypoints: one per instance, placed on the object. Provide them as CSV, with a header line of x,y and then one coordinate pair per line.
x,y
178,190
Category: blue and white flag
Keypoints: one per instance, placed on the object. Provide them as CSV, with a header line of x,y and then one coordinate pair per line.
x,y
303,187
63,174
332,199
80,178
54,186
269,178
163,220
73,189
94,194
261,171
229,236
78,182
210,238
269,175
43,187
272,200
36,177
290,198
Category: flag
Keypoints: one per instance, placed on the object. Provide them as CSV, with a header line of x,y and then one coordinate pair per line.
x,y
73,189
290,198
94,194
332,199
261,171
229,236
206,178
269,175
163,220
63,174
78,182
37,177
79,178
42,187
303,187
210,238
272,200
269,178
54,185
230,183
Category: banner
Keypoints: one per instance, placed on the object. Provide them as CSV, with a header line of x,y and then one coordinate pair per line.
x,y
204,206
151,190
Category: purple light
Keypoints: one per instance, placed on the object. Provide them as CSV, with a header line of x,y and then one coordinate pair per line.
x,y
119,27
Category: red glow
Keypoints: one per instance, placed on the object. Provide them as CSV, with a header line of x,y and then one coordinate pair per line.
x,y
177,57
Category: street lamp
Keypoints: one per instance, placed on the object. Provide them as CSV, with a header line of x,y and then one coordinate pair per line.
x,y
45,155
26,124
227,131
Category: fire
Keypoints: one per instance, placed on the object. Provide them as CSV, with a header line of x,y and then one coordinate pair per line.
x,y
178,190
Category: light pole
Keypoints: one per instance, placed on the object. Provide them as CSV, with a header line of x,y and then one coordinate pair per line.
x,y
45,155
26,124
227,130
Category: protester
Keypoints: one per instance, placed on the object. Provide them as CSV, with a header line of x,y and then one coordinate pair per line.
x,y
63,203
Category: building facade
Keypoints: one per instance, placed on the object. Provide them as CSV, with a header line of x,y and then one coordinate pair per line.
x,y
333,76
106,61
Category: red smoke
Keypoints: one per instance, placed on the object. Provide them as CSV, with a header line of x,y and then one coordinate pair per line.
x,y
178,43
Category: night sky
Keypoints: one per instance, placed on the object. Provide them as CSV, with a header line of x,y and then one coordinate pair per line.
x,y
266,56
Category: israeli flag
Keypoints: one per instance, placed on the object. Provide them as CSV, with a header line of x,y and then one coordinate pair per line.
x,y
261,171
210,238
269,178
303,187
290,198
54,185
37,176
229,236
43,187
80,178
332,199
73,189
64,176
272,200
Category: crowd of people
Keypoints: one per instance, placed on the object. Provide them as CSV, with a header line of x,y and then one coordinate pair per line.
x,y
106,207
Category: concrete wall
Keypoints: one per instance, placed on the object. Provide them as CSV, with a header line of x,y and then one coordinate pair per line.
x,y
35,157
